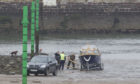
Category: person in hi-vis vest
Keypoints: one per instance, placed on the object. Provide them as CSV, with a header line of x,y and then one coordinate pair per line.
x,y
62,60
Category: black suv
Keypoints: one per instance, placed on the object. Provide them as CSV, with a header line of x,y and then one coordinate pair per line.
x,y
42,64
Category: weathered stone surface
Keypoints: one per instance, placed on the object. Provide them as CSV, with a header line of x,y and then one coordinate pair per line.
x,y
76,17
10,65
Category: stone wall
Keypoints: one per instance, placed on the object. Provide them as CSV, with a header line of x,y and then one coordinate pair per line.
x,y
93,24
92,17
10,65
106,1
79,1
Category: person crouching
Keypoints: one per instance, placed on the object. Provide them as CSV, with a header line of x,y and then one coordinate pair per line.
x,y
71,59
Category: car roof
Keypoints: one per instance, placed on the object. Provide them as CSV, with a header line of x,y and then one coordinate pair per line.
x,y
44,56
41,56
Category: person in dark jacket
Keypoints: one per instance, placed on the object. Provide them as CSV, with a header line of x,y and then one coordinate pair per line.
x,y
71,59
57,57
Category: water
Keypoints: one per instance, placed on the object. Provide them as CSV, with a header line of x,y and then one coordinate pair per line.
x,y
119,45
120,53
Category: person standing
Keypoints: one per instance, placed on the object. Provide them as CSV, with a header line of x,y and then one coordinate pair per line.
x,y
71,59
57,57
62,60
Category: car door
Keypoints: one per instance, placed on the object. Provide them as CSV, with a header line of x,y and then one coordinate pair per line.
x,y
50,62
54,63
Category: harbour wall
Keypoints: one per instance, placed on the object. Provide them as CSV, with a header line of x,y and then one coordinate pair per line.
x,y
75,17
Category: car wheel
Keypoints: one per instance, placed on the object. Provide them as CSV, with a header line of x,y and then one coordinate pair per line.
x,y
46,72
28,74
55,72
36,74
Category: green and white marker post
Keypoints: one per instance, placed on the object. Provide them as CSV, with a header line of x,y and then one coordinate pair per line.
x,y
32,28
37,27
25,38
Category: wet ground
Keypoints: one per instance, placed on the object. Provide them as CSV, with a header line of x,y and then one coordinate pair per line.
x,y
120,55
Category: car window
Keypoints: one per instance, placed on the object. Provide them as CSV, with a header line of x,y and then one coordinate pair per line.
x,y
52,59
39,59
49,59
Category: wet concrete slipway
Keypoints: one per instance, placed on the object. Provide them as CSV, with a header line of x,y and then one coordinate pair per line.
x,y
120,55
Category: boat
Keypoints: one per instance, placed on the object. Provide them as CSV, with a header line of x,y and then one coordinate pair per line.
x,y
90,58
